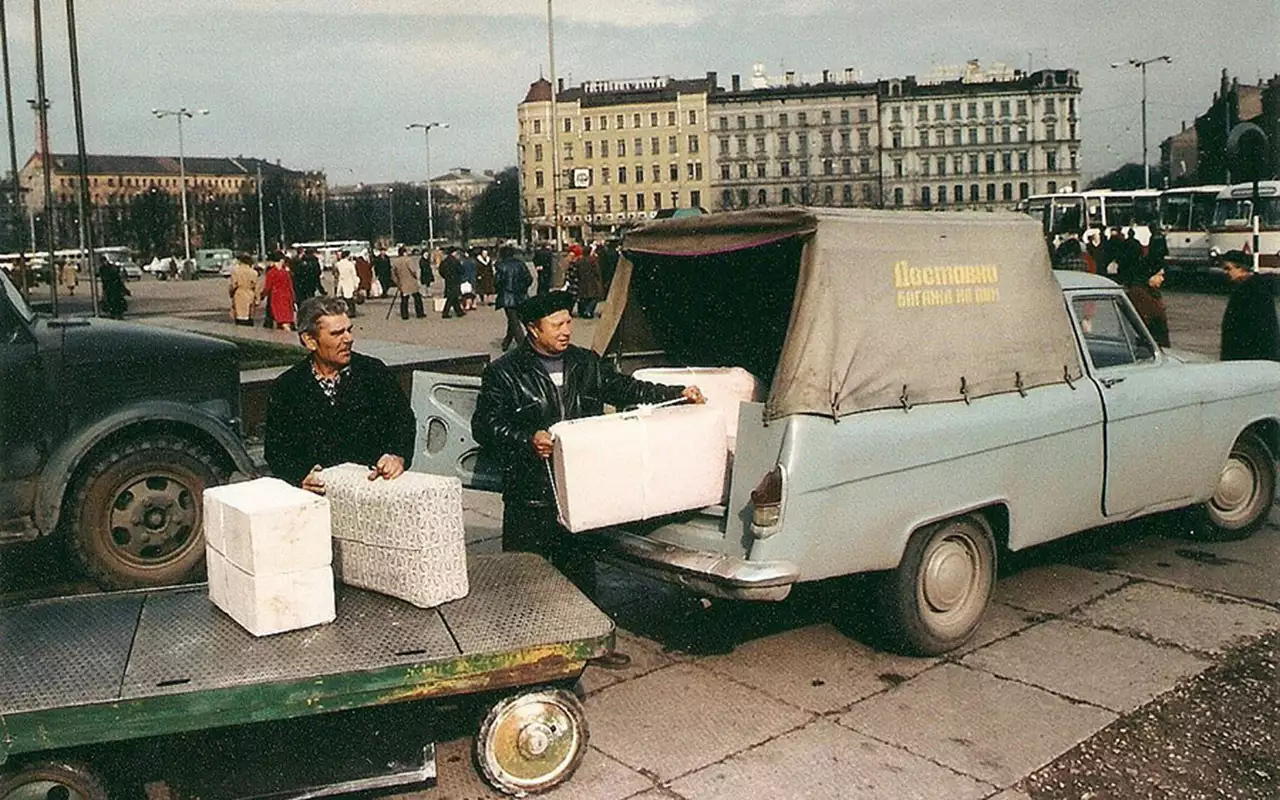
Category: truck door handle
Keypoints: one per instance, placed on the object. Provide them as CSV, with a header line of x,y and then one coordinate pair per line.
x,y
1109,382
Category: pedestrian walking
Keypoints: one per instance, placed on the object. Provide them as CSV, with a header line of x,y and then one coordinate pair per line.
x,y
425,274
468,288
306,277
70,277
590,285
485,277
451,275
364,277
114,291
405,273
512,281
1249,326
277,293
572,264
242,287
381,273
348,281
544,264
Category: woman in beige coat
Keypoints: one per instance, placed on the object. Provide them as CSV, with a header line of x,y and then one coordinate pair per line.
x,y
243,289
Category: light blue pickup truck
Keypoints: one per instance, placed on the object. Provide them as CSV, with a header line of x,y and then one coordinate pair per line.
x,y
936,395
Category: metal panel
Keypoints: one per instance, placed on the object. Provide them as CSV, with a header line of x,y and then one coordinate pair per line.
x,y
518,600
186,644
65,652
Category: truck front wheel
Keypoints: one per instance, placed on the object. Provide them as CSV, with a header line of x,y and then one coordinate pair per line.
x,y
936,597
136,512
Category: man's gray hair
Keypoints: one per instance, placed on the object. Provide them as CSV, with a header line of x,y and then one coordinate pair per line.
x,y
313,308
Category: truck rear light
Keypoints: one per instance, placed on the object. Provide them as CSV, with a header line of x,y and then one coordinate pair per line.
x,y
766,499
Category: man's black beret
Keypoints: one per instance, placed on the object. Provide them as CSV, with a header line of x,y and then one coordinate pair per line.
x,y
544,305
1238,257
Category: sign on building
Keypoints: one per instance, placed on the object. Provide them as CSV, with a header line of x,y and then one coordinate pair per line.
x,y
581,178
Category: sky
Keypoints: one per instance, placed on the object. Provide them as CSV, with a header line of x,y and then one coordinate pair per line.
x,y
331,84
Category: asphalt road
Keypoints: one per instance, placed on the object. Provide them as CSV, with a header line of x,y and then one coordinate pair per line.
x,y
1132,661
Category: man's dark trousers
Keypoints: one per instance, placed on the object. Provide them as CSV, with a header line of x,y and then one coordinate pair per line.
x,y
417,306
534,528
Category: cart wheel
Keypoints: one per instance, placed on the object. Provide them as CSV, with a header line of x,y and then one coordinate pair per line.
x,y
531,742
51,780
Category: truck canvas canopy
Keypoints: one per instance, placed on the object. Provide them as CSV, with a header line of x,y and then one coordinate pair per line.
x,y
847,310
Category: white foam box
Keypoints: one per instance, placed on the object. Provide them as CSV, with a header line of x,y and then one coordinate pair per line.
x,y
265,526
638,465
725,388
268,552
401,537
272,603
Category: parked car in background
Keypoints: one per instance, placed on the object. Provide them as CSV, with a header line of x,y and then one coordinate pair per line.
x,y
212,259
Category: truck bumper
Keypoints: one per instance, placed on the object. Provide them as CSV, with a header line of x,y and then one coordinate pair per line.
x,y
700,571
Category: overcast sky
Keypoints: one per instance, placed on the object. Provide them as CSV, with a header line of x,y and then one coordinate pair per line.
x,y
328,84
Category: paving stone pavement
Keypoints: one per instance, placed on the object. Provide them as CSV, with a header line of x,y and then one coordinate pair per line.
x,y
787,705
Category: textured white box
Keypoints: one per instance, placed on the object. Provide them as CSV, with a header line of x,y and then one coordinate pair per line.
x,y
272,603
267,526
638,465
726,388
401,537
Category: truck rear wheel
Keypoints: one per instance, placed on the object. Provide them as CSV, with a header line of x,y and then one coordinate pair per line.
x,y
136,515
1246,488
51,779
936,597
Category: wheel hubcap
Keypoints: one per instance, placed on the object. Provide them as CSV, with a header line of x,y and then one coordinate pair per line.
x,y
949,575
1236,488
152,518
43,790
532,743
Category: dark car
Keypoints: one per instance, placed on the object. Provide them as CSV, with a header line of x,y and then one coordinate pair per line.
x,y
109,434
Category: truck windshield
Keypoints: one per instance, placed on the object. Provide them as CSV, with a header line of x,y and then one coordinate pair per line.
x,y
15,298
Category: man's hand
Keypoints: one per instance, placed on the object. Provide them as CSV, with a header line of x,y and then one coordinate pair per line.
x,y
693,394
543,443
312,482
389,467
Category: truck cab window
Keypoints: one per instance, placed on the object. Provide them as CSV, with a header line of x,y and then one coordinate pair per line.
x,y
1110,334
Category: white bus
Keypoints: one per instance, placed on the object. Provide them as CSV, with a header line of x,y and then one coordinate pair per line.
x,y
1094,210
329,252
1232,225
1185,214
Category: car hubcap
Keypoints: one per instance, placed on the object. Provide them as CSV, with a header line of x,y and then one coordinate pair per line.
x,y
43,790
532,743
152,518
950,574
1236,489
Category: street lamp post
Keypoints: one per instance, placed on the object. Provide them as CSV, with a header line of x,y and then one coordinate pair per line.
x,y
180,114
391,209
426,138
1142,65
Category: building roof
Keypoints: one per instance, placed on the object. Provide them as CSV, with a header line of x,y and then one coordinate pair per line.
x,y
162,165
656,89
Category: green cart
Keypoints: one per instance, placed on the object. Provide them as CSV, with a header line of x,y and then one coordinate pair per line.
x,y
93,672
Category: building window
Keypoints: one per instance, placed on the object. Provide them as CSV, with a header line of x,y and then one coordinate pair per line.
x,y
655,144
804,166
657,200
695,198
671,118
762,198
1006,161
742,170
622,174
785,169
726,198
586,123
991,192
655,173
975,193
925,199
1050,133
991,162
957,137
693,116
588,150
867,193
895,114
973,136
804,195
1006,191
973,111
786,195
672,145
622,148
1072,134
537,152
742,122
864,115
759,120
571,205
1074,162
1006,134
542,206
639,201
973,163
1050,108
784,143
1022,162
844,141
539,180
1024,190
826,117
802,139
724,172
724,146
622,202
782,120
693,144
621,120
924,166
1071,106
688,170
1022,108
604,148
864,139
635,120
846,166
568,151
639,173
844,116
897,140
744,197
942,165
723,123
604,126
826,141
760,145
638,144
923,136
762,170
828,167
939,112
942,195
608,203
1052,187
959,193
1051,161
846,194
922,113
653,119
673,172
675,199
802,118
568,125
989,109
537,126
828,195
897,168
742,145
864,165
898,196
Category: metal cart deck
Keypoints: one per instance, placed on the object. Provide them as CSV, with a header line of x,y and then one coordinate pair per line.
x,y
104,668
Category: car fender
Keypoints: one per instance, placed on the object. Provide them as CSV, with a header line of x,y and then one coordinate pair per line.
x,y
61,466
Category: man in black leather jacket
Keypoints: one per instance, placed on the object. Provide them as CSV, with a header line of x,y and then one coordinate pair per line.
x,y
540,382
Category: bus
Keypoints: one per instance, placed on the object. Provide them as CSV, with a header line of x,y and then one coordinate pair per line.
x,y
329,252
1232,225
1094,211
1185,214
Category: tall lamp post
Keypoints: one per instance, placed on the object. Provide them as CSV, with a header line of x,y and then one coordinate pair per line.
x,y
180,114
426,138
1142,65
391,209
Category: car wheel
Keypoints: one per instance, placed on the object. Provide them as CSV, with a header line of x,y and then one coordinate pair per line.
x,y
1242,499
136,512
50,779
934,600
532,742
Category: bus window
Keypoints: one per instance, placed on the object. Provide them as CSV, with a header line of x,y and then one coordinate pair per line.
x,y
1177,213
1201,212
1096,219
1068,216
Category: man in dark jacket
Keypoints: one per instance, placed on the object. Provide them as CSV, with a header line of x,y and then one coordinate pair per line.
x,y
544,263
1249,326
306,277
512,281
336,406
382,269
522,394
451,274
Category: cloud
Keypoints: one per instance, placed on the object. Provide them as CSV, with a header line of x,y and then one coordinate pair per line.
x,y
633,14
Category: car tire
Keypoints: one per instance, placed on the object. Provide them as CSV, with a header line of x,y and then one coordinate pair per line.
x,y
936,597
1242,499
51,779
135,515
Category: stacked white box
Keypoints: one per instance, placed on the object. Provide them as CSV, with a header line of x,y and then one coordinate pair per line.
x,y
268,552
638,465
401,537
726,388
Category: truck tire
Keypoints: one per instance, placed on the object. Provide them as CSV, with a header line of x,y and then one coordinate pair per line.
x,y
135,515
51,779
1242,499
934,600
